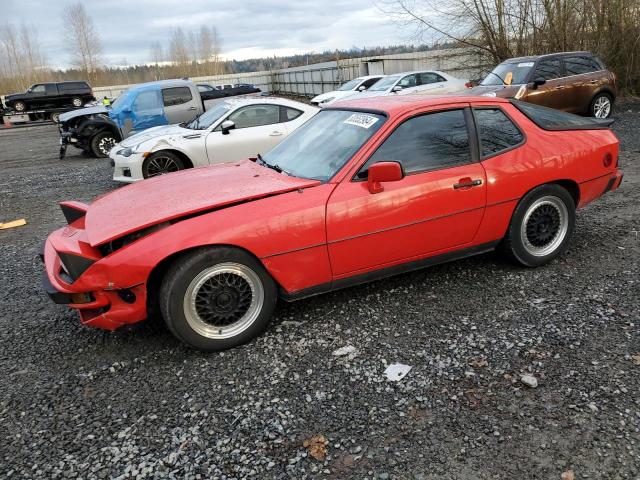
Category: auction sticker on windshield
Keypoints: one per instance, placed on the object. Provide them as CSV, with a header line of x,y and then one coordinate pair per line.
x,y
525,64
361,120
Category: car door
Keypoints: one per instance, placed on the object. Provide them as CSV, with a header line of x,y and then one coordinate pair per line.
x,y
437,206
431,82
409,83
257,130
552,93
180,105
583,80
146,112
37,95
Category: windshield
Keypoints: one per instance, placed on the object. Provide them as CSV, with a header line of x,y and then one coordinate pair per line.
x,y
350,85
120,100
384,84
209,117
322,146
509,74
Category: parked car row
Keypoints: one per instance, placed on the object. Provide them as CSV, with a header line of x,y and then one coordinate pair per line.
x,y
299,200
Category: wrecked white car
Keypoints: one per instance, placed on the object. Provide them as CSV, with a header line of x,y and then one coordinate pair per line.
x,y
232,130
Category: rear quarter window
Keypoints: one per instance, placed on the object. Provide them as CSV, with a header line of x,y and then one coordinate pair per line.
x,y
496,131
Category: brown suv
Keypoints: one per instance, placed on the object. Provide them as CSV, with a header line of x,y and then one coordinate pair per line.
x,y
576,82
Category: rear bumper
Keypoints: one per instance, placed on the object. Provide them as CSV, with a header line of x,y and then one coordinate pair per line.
x,y
100,306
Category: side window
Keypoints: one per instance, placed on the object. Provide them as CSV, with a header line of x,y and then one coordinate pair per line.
x,y
176,96
408,81
580,65
428,142
38,89
146,101
256,115
548,69
430,77
51,89
290,113
497,132
371,81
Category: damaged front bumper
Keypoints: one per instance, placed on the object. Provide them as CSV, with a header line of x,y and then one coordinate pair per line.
x,y
74,276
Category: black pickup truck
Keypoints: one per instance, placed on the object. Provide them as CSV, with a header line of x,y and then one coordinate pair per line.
x,y
51,95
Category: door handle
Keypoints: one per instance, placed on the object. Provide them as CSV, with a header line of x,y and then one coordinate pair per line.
x,y
559,87
593,82
191,108
467,183
276,133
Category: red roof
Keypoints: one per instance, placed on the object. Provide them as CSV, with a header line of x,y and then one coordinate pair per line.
x,y
397,104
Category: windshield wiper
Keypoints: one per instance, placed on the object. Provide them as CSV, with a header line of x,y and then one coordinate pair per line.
x,y
272,167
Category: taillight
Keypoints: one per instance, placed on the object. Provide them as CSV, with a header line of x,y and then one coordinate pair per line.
x,y
469,84
607,160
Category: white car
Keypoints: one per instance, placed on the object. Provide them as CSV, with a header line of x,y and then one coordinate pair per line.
x,y
359,84
424,82
232,130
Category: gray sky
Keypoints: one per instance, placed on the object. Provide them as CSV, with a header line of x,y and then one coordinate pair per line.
x,y
248,28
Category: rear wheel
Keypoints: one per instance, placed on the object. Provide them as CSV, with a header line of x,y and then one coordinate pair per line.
x,y
161,163
217,298
541,226
19,106
601,106
102,143
55,117
76,102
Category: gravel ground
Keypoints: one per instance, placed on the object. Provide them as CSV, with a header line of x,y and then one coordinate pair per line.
x,y
77,402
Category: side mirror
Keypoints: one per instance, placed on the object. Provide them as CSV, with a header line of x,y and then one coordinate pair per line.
x,y
538,82
397,88
226,126
362,88
383,172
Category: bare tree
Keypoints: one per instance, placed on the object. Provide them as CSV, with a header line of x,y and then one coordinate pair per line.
x,y
21,60
157,57
82,39
179,52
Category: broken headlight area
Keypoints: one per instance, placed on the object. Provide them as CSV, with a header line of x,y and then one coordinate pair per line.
x,y
118,243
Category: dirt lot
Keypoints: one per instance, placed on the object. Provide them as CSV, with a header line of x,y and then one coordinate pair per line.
x,y
76,402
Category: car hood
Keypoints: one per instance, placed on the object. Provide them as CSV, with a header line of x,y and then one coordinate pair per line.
x,y
82,112
151,133
501,91
336,94
168,197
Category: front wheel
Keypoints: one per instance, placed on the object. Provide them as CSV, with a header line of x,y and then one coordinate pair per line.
x,y
161,163
102,143
217,298
19,106
541,226
601,106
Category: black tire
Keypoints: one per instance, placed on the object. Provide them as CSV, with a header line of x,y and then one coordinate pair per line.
x,y
597,103
102,142
55,116
161,163
19,106
539,241
181,282
76,102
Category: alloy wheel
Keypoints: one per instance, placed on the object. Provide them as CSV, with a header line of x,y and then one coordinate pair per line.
x,y
224,300
161,165
106,144
602,107
544,226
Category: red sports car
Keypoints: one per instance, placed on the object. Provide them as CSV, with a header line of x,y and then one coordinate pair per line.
x,y
366,189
